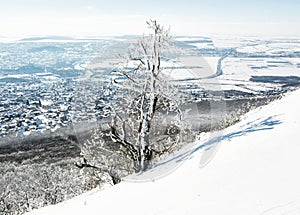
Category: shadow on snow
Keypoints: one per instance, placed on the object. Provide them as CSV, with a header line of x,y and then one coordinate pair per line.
x,y
260,124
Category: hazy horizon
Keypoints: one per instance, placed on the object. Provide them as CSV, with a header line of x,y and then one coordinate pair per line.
x,y
101,18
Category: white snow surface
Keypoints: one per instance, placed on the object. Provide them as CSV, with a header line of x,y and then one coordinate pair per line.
x,y
254,171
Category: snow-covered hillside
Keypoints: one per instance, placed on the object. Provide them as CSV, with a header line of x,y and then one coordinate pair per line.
x,y
254,171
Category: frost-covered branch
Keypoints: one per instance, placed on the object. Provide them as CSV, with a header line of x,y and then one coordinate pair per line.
x,y
143,104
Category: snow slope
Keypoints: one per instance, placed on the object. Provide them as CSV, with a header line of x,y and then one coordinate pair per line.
x,y
254,171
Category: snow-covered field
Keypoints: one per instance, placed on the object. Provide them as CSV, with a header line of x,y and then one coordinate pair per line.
x,y
243,63
255,170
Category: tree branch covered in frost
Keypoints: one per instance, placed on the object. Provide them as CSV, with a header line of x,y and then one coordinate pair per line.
x,y
146,120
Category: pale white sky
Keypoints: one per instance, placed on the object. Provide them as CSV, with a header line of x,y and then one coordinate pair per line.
x,y
116,17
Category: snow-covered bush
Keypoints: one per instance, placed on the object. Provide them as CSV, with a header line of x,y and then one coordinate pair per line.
x,y
24,187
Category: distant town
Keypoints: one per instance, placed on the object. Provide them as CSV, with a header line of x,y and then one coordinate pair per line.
x,y
27,107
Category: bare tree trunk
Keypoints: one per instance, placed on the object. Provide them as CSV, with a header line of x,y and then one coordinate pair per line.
x,y
145,150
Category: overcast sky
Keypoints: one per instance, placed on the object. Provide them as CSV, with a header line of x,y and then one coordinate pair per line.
x,y
116,17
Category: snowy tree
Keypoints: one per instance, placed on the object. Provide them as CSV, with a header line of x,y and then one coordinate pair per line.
x,y
143,108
